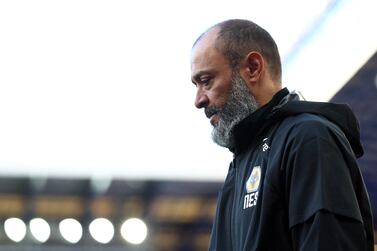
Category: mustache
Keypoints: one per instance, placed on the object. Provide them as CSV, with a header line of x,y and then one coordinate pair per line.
x,y
209,111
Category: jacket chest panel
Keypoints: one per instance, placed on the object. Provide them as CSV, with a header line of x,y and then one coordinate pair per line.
x,y
249,183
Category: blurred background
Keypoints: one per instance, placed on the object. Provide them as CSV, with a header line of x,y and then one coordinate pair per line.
x,y
101,147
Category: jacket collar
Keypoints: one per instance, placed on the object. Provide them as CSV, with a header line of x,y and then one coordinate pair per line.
x,y
250,128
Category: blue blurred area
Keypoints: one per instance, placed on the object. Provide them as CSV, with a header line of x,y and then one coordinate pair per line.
x,y
361,94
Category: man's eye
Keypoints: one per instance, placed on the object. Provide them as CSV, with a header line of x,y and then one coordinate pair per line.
x,y
205,81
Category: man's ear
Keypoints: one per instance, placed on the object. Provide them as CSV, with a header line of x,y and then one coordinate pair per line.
x,y
253,67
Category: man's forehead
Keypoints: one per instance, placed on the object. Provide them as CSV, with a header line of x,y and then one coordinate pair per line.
x,y
204,47
208,39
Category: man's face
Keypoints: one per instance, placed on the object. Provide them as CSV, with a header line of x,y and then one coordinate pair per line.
x,y
221,91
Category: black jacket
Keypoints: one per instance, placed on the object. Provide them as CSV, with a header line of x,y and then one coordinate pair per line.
x,y
294,183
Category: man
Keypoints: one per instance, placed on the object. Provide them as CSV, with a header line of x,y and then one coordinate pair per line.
x,y
294,183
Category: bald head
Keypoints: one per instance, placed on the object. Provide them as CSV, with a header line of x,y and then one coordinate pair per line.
x,y
236,38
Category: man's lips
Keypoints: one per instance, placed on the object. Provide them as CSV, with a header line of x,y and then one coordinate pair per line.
x,y
213,120
212,115
209,112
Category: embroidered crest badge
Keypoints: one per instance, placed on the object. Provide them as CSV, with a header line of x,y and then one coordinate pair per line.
x,y
252,184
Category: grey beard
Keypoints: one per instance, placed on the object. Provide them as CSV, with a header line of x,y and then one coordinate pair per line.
x,y
239,105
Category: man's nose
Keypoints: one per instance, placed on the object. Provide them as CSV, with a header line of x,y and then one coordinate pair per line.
x,y
201,99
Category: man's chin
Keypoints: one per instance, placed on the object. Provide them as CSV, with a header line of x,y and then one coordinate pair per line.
x,y
220,137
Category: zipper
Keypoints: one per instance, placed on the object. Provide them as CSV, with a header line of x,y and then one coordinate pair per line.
x,y
231,230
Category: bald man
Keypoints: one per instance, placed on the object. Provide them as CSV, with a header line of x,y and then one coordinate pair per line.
x,y
294,183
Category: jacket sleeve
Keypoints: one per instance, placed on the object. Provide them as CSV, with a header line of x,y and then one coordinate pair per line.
x,y
323,207
328,231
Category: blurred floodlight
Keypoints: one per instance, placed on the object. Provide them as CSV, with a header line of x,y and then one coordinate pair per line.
x,y
134,231
15,229
102,230
71,230
40,229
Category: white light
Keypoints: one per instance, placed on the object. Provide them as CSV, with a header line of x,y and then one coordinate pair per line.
x,y
102,230
71,230
40,229
15,229
134,231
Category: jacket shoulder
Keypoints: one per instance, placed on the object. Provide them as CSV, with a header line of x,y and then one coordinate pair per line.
x,y
308,126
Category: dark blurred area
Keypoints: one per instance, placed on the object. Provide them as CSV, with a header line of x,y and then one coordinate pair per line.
x,y
178,214
360,93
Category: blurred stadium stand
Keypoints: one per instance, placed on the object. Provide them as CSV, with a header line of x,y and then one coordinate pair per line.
x,y
178,214
360,93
